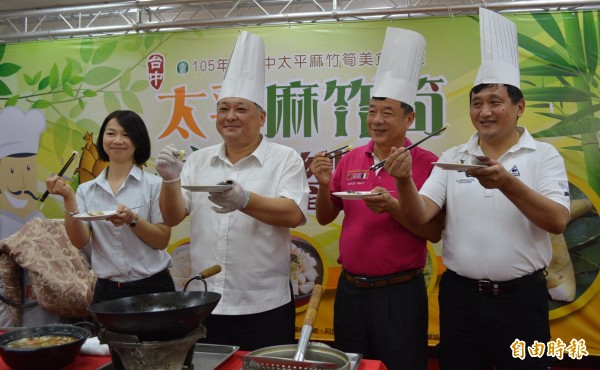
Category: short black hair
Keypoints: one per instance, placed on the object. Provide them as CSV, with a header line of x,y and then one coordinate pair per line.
x,y
514,93
407,108
135,127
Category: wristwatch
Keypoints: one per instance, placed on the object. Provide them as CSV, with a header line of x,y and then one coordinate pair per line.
x,y
135,220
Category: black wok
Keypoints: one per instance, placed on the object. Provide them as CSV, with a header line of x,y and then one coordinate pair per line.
x,y
158,316
50,357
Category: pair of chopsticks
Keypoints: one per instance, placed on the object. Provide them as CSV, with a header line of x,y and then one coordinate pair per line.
x,y
382,163
60,173
338,152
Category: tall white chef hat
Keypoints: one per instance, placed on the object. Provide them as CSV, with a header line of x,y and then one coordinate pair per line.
x,y
245,75
20,131
499,50
402,56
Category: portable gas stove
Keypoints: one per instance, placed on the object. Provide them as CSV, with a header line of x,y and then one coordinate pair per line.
x,y
128,352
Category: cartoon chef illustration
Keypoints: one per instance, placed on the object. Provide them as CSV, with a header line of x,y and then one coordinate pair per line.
x,y
19,142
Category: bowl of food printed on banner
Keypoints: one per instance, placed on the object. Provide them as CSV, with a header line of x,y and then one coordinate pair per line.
x,y
307,269
181,265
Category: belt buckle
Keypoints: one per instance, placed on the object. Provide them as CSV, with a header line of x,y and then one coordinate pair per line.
x,y
362,281
486,286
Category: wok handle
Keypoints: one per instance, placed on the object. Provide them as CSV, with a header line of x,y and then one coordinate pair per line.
x,y
309,320
313,305
213,270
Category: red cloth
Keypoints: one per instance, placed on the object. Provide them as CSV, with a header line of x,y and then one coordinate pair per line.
x,y
233,363
81,362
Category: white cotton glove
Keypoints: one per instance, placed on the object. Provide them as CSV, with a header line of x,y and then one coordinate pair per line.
x,y
230,200
168,164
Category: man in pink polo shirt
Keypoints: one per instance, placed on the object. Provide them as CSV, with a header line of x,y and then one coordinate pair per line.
x,y
381,300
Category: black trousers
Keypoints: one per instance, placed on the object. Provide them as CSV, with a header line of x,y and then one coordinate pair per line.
x,y
158,283
477,330
384,323
253,331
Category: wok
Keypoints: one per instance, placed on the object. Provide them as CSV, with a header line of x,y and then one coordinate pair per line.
x,y
50,357
158,316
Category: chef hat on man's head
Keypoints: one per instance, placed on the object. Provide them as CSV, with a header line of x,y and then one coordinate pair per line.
x,y
402,57
499,50
20,131
245,75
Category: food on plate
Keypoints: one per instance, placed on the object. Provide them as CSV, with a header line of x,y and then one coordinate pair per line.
x,y
96,213
304,271
41,341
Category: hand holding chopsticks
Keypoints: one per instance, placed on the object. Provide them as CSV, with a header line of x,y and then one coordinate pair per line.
x,y
382,163
60,173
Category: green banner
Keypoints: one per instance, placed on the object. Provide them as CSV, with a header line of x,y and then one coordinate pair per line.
x,y
319,80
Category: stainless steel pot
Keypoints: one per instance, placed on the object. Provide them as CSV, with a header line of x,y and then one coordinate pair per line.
x,y
314,353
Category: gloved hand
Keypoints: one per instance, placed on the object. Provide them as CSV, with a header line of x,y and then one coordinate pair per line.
x,y
230,200
168,165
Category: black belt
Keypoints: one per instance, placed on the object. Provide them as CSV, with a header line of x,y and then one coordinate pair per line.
x,y
361,281
489,287
135,283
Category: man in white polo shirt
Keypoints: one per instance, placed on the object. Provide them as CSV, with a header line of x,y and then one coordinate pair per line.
x,y
499,217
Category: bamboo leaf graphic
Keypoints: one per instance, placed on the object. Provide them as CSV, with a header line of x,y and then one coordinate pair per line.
x,y
104,52
2,48
549,24
75,80
591,124
139,85
75,111
100,75
574,42
86,50
125,79
132,102
553,94
66,74
41,104
4,90
590,39
12,101
543,52
53,77
548,70
43,83
68,90
76,67
8,69
111,103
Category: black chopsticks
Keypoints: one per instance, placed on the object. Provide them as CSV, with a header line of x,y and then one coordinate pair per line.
x,y
332,153
336,153
380,164
60,173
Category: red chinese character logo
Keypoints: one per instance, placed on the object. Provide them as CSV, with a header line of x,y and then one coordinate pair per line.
x,y
156,70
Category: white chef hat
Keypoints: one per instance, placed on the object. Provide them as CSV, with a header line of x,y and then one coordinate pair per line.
x,y
20,131
402,56
499,50
245,75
